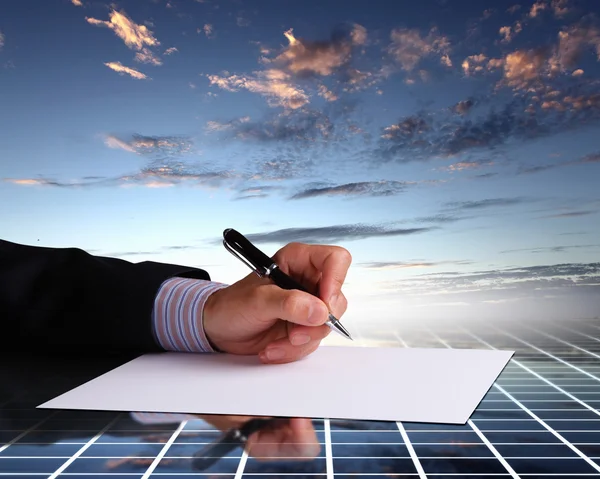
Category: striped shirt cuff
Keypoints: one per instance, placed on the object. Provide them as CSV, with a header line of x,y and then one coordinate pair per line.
x,y
178,315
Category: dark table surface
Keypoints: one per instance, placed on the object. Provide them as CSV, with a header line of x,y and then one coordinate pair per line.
x,y
541,419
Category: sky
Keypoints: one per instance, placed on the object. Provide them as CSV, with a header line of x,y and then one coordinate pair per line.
x,y
451,146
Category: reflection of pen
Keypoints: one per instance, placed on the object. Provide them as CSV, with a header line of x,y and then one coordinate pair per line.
x,y
231,440
263,266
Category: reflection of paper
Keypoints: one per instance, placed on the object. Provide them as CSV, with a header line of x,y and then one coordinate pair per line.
x,y
397,384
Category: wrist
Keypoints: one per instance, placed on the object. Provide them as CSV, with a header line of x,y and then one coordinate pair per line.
x,y
210,321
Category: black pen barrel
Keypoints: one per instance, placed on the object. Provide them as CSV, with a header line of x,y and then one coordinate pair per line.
x,y
284,281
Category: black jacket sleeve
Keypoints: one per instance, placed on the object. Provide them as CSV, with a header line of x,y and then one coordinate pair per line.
x,y
65,299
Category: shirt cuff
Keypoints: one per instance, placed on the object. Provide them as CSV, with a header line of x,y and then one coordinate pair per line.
x,y
178,315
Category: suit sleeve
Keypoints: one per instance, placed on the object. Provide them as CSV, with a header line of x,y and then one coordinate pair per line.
x,y
66,299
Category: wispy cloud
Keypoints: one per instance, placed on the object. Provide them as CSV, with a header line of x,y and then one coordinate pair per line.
x,y
392,265
122,69
572,214
136,37
408,47
550,249
273,84
151,177
154,147
331,234
301,60
363,188
77,3
170,51
584,160
2,37
487,203
516,280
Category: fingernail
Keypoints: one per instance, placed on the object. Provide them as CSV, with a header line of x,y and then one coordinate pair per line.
x,y
299,339
275,353
315,315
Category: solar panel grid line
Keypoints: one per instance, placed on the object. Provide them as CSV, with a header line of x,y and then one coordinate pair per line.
x,y
24,433
328,449
163,451
411,450
82,449
548,354
479,434
565,342
530,371
543,423
239,472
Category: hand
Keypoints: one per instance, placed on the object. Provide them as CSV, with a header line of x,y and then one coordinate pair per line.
x,y
289,438
255,316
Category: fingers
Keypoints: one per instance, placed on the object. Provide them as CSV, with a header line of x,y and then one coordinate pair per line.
x,y
270,301
283,351
331,263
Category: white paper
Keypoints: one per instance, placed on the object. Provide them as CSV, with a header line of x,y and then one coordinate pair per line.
x,y
386,384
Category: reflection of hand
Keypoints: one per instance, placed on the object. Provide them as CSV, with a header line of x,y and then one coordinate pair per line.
x,y
254,316
293,438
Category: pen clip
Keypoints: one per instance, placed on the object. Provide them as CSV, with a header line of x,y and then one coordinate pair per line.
x,y
245,251
241,257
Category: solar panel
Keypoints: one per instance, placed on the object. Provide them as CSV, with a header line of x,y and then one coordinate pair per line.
x,y
540,419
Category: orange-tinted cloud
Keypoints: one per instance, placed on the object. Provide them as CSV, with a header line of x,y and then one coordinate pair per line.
x,y
77,3
122,69
135,36
408,47
273,84
303,58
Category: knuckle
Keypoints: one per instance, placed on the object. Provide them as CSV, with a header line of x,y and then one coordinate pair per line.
x,y
343,254
292,305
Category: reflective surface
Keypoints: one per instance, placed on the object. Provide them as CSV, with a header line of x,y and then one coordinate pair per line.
x,y
540,419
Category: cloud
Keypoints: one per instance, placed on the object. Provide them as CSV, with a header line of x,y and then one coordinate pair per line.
x,y
331,234
584,160
409,47
170,51
208,30
510,32
572,214
487,203
530,114
273,84
302,60
135,36
155,147
2,37
391,265
77,3
537,8
467,165
146,56
122,69
300,125
363,188
151,177
550,249
515,280
464,106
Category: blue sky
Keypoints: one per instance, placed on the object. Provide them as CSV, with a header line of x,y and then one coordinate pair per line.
x,y
450,146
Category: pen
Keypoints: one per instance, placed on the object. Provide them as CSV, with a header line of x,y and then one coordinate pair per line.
x,y
238,245
229,441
